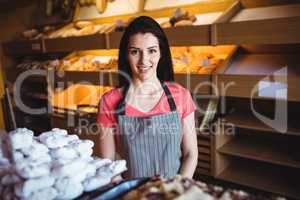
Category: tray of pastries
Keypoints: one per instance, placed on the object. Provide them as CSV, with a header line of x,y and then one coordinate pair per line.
x,y
181,188
53,165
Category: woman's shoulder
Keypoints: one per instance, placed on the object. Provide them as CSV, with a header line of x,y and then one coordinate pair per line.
x,y
113,93
176,87
112,97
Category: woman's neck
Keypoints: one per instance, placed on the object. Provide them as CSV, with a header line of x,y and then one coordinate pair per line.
x,y
145,87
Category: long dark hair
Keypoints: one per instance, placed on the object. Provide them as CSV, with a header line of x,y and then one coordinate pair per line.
x,y
144,24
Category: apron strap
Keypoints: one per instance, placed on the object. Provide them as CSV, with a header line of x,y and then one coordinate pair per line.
x,y
121,105
169,96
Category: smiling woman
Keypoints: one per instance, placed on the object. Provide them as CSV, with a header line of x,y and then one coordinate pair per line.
x,y
148,119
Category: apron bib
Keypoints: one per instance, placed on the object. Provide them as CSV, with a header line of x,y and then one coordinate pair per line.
x,y
151,145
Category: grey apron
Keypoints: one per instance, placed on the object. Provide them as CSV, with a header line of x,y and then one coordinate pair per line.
x,y
151,145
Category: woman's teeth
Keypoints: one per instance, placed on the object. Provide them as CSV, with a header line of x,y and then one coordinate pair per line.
x,y
143,68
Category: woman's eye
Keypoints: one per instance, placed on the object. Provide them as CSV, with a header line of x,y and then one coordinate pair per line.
x,y
133,52
152,51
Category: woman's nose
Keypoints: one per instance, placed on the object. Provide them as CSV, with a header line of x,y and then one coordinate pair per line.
x,y
144,58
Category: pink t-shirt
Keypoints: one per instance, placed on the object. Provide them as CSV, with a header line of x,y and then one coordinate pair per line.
x,y
107,110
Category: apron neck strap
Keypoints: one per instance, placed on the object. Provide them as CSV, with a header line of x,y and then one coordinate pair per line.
x,y
121,106
169,96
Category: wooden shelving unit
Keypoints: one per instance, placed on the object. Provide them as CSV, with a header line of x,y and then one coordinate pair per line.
x,y
200,34
258,25
248,121
264,177
252,153
264,150
258,71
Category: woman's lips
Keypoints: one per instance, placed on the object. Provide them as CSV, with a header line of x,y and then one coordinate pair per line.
x,y
143,69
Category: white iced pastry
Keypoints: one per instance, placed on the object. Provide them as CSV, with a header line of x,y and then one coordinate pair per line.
x,y
28,187
17,155
95,182
31,170
21,138
118,167
47,193
68,188
83,147
71,138
64,153
69,169
35,151
87,172
55,138
99,162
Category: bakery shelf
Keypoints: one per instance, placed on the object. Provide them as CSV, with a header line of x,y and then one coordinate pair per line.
x,y
268,24
279,180
264,150
248,121
68,44
198,34
23,47
195,75
259,72
104,77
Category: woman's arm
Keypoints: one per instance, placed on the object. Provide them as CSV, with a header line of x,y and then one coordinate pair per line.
x,y
107,143
189,146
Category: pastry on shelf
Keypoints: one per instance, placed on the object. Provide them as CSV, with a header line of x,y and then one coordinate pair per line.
x,y
193,60
76,95
182,18
88,63
34,34
82,28
30,64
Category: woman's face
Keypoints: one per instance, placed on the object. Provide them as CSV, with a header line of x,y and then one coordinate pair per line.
x,y
143,55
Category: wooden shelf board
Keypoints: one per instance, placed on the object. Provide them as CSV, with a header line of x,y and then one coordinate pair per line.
x,y
204,143
263,64
204,157
200,170
205,135
96,78
204,165
96,41
267,12
203,150
261,150
247,121
23,47
266,31
263,178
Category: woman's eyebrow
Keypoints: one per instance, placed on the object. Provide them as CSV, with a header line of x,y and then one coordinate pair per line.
x,y
152,47
133,48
